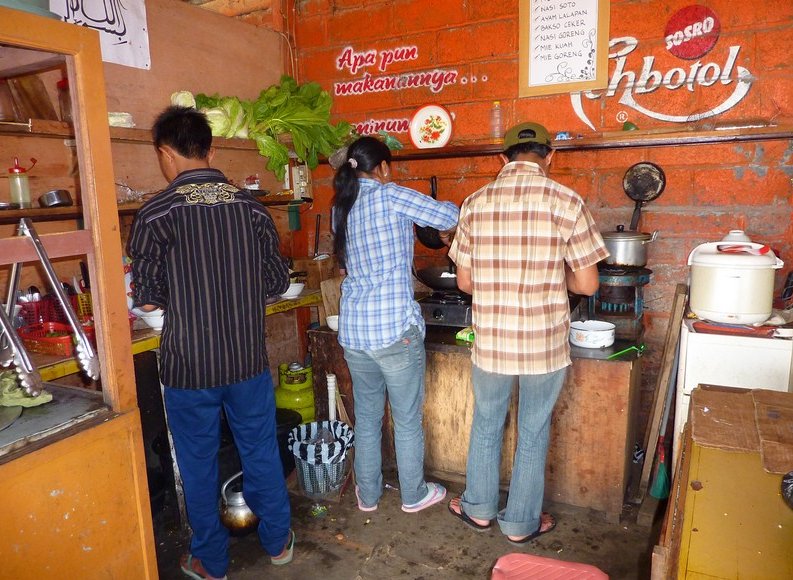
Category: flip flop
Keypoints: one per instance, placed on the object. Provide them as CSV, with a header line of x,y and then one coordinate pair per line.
x,y
544,517
466,519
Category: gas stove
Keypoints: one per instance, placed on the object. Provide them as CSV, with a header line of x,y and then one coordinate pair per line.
x,y
620,299
446,309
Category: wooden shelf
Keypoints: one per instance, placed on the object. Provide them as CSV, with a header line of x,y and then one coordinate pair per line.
x,y
621,140
61,130
76,212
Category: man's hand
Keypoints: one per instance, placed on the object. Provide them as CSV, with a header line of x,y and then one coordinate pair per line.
x,y
447,236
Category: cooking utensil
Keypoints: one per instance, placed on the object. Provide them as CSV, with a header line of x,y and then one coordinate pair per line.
x,y
85,352
234,512
627,248
643,182
592,333
56,198
430,237
14,352
437,277
8,415
743,249
316,236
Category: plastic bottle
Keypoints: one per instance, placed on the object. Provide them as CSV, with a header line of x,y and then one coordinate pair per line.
x,y
18,184
64,100
496,131
332,397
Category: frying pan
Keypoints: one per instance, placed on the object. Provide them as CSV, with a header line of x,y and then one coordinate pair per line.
x,y
433,277
643,182
430,237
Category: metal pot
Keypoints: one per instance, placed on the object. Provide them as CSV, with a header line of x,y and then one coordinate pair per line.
x,y
55,198
234,512
627,248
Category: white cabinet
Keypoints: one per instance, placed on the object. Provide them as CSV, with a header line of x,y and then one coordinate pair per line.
x,y
730,361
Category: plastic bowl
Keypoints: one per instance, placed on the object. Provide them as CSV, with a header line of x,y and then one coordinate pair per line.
x,y
294,290
592,333
333,322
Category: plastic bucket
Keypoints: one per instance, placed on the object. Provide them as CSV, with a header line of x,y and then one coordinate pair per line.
x,y
320,451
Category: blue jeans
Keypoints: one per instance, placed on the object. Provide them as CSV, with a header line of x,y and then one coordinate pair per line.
x,y
399,371
537,397
194,421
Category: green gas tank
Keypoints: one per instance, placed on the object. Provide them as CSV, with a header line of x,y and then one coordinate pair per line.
x,y
296,390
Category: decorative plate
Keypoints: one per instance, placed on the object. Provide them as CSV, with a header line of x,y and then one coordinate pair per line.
x,y
431,126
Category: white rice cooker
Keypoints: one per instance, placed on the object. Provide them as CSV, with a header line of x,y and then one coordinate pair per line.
x,y
732,281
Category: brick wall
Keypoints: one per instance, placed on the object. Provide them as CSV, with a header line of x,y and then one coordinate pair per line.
x,y
710,188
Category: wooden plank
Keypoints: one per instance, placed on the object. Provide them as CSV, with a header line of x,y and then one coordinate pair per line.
x,y
20,249
592,435
661,387
331,295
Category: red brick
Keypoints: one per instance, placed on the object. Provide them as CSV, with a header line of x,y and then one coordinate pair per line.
x,y
701,155
741,185
751,15
312,32
776,97
488,9
480,41
364,24
422,15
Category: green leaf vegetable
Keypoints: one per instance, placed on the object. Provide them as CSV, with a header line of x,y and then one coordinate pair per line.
x,y
301,111
13,395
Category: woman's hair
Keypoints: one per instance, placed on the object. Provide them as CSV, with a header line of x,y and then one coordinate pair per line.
x,y
185,129
363,156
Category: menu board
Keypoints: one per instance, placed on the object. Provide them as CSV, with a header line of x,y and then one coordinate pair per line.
x,y
563,45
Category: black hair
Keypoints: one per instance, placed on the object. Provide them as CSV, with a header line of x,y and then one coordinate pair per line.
x,y
539,149
363,156
185,129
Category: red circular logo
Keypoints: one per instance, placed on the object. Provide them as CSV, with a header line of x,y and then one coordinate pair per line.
x,y
692,31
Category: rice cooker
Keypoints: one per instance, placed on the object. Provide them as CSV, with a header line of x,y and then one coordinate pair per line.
x,y
732,281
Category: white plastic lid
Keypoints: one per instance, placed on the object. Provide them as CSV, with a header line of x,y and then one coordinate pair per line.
x,y
709,255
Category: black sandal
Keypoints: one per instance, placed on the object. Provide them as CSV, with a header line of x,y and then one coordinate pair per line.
x,y
466,519
538,533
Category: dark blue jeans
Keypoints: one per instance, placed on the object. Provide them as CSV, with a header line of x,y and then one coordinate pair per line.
x,y
194,421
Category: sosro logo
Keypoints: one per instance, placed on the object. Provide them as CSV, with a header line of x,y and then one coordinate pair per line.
x,y
650,80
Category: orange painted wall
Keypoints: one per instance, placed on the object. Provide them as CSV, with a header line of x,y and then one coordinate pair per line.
x,y
710,188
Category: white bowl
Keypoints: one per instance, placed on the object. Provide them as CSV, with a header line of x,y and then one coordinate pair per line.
x,y
333,322
154,319
294,290
592,333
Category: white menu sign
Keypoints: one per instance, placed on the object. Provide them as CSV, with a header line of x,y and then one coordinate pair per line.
x,y
562,42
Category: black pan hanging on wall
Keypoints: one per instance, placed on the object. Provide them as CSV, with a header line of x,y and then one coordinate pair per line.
x,y
643,182
430,237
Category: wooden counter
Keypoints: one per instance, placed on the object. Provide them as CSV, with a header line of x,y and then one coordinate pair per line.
x,y
592,432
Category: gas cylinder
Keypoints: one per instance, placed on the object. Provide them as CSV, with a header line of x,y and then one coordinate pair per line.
x,y
296,389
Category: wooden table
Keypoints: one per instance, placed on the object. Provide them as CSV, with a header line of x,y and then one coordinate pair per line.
x,y
592,433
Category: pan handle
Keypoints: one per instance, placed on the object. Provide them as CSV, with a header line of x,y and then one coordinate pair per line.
x,y
635,218
434,187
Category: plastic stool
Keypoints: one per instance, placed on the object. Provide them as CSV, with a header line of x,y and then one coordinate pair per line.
x,y
528,567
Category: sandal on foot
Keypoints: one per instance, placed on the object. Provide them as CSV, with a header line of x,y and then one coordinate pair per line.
x,y
193,568
287,553
362,507
435,493
466,519
545,519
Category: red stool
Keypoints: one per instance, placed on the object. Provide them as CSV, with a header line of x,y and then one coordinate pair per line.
x,y
528,567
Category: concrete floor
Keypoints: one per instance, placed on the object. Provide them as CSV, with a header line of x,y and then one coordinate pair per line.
x,y
344,543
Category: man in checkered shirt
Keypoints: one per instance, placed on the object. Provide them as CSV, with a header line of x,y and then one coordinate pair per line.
x,y
523,241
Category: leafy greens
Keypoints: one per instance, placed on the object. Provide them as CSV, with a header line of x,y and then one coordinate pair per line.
x,y
299,110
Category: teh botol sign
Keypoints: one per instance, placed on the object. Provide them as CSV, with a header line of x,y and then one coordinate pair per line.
x,y
690,34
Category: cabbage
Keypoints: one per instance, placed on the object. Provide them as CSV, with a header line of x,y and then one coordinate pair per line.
x,y
183,99
218,120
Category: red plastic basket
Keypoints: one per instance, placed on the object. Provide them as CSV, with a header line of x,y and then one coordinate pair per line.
x,y
35,338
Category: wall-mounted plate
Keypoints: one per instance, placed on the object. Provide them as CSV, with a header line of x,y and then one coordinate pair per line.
x,y
431,127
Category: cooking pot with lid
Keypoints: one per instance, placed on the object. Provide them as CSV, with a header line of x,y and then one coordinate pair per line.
x,y
732,282
627,248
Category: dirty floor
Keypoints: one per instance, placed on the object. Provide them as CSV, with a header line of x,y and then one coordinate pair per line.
x,y
343,543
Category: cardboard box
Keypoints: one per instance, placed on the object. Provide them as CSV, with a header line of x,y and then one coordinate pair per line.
x,y
735,522
316,270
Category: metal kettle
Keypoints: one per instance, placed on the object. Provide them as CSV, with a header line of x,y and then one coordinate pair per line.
x,y
234,512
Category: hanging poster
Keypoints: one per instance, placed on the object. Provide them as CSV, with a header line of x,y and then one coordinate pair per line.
x,y
563,46
123,34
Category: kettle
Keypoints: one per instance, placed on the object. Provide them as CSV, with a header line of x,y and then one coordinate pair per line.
x,y
234,512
